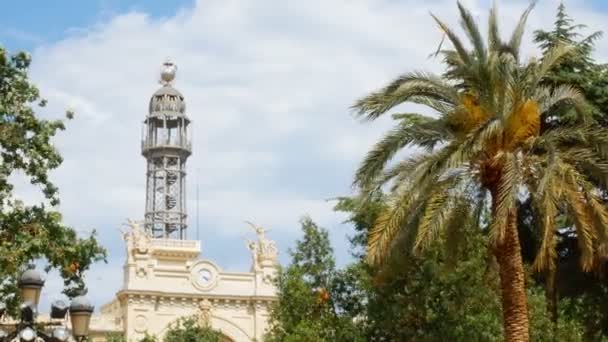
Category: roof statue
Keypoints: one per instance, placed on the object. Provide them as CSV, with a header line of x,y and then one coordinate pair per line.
x,y
259,230
263,249
136,238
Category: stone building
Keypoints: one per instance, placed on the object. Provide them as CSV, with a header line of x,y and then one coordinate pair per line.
x,y
164,276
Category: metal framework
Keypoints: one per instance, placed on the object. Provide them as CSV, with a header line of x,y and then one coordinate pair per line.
x,y
166,145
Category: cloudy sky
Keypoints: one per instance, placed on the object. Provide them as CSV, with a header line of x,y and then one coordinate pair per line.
x,y
268,85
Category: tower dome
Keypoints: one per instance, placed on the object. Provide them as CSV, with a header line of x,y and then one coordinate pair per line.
x,y
167,99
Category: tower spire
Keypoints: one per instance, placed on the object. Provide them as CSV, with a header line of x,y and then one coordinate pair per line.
x,y
166,146
167,73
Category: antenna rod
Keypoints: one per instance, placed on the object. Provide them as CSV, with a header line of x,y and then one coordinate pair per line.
x,y
198,237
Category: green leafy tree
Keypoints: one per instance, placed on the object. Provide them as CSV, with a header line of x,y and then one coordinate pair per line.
x,y
435,297
28,233
482,150
580,70
577,69
190,330
115,337
314,303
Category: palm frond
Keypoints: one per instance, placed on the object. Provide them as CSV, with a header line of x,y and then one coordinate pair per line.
x,y
587,161
547,253
584,227
504,82
427,176
518,33
549,98
407,132
545,200
494,39
439,208
434,166
487,137
404,172
600,214
415,84
441,107
550,60
470,27
459,217
392,220
463,54
579,209
586,135
381,236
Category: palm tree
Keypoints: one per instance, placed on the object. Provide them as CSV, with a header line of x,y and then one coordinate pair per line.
x,y
480,152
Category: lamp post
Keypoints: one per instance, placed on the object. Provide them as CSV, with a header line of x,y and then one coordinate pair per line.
x,y
28,330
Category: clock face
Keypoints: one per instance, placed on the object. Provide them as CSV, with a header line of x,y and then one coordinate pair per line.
x,y
205,277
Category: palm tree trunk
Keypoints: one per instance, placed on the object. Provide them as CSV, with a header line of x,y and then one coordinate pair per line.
x,y
511,270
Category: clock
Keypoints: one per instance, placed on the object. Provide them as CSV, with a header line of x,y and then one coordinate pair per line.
x,y
205,277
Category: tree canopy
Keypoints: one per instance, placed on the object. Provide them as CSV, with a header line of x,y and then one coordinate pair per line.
x,y
190,330
314,302
32,232
484,148
577,69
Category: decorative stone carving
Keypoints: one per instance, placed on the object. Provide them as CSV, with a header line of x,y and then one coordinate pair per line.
x,y
136,239
204,307
263,249
141,323
254,249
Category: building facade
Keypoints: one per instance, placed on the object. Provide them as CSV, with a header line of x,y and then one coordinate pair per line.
x,y
164,277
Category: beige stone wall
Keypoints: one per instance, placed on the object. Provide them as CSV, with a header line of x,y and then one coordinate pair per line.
x,y
164,280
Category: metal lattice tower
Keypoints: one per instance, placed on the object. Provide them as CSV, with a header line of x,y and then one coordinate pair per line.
x,y
166,147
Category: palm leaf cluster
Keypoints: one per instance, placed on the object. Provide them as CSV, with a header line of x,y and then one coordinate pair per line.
x,y
483,148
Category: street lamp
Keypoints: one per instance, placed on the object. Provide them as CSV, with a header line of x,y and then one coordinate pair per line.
x,y
27,330
60,334
31,284
59,309
80,316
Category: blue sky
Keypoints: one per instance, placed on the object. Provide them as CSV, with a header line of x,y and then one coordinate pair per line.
x,y
268,85
46,22
28,23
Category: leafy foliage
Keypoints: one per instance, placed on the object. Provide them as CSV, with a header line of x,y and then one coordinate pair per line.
x,y
115,337
431,297
577,69
581,71
486,149
189,330
185,329
316,302
28,233
447,288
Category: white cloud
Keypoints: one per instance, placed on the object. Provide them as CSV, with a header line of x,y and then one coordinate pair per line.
x,y
268,85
